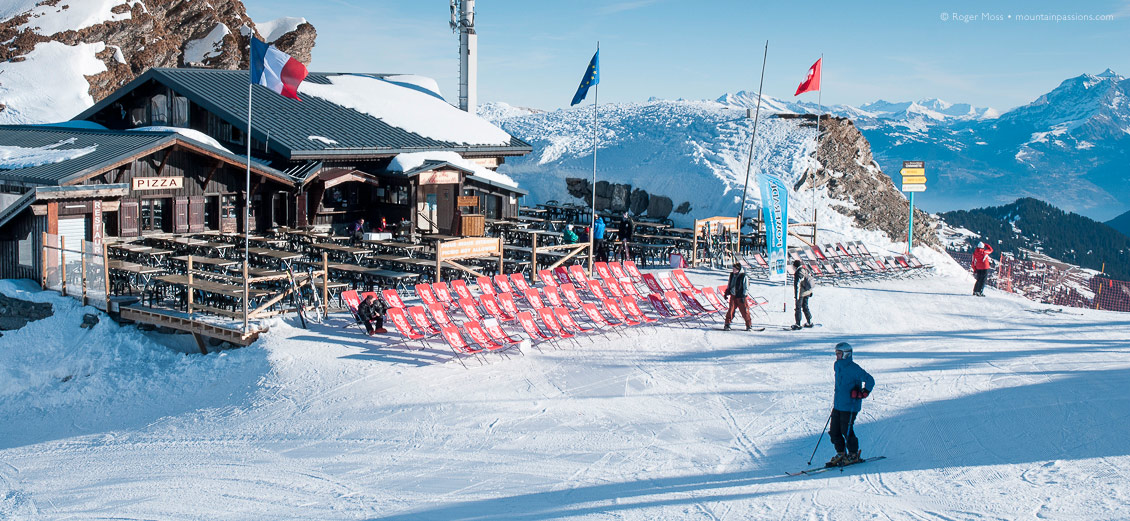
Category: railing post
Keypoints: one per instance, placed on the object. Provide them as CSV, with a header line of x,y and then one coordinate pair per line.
x,y
325,285
106,274
43,262
82,258
189,297
63,264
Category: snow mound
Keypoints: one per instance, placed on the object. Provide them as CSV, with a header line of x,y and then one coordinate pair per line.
x,y
407,108
412,81
14,157
48,18
50,83
189,133
275,29
210,46
409,160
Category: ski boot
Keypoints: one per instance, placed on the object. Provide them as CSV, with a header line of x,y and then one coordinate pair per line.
x,y
808,324
795,327
837,460
725,327
852,458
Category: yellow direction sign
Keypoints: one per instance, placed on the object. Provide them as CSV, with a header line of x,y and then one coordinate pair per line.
x,y
913,172
913,180
913,176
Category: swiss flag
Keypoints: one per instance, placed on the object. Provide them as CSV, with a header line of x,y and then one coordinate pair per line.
x,y
812,82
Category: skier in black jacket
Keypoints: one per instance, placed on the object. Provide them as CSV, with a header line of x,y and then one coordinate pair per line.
x,y
624,235
372,315
736,291
802,289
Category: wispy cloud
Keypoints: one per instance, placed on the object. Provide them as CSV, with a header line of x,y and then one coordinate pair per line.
x,y
630,5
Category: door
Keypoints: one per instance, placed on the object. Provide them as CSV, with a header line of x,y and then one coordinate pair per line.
x,y
196,214
280,211
228,218
72,231
128,213
426,214
180,215
445,211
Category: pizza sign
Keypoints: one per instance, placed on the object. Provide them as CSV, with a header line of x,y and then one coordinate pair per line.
x,y
158,183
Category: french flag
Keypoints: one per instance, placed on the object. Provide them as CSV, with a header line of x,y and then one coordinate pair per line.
x,y
275,69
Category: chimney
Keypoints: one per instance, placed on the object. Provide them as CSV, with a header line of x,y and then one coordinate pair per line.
x,y
468,54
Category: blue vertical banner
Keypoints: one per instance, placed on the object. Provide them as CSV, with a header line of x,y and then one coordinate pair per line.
x,y
775,212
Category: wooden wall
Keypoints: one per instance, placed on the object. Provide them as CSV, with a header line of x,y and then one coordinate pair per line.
x,y
23,226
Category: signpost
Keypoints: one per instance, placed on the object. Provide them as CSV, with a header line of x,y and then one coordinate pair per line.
x,y
913,180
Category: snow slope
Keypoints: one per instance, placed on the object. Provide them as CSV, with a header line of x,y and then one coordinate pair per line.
x,y
30,99
994,408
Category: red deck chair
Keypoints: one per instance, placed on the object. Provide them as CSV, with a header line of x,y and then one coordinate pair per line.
x,y
571,296
503,284
629,289
602,271
633,271
439,313
486,287
761,262
819,253
561,274
461,289
665,311
553,297
533,331
443,294
507,303
613,289
600,320
569,323
715,301
353,302
491,305
459,345
577,274
534,298
519,282
681,277
424,291
652,283
494,329
843,251
400,320
471,310
595,290
629,305
758,304
675,303
550,320
693,305
613,309
392,298
546,278
618,271
480,338
420,317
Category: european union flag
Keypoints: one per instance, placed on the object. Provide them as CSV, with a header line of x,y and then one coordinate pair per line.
x,y
592,77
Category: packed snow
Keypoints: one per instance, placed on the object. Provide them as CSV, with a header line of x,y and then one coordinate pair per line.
x,y
14,157
29,99
415,81
210,46
409,160
994,408
407,108
189,133
48,18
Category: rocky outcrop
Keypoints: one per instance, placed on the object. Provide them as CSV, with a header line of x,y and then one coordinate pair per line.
x,y
156,33
851,175
618,198
15,313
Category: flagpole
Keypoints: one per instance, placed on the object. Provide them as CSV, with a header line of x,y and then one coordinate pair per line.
x,y
592,222
247,211
749,160
820,102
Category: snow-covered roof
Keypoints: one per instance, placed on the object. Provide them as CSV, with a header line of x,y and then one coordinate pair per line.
x,y
409,162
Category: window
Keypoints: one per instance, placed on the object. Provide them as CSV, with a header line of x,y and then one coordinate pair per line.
x,y
27,250
159,110
154,215
180,111
211,212
227,210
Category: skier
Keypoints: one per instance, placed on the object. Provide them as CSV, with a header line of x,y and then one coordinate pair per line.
x,y
853,384
736,291
624,234
802,289
598,240
981,264
372,315
569,235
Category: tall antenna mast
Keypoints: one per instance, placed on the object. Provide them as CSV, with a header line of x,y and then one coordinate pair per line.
x,y
463,22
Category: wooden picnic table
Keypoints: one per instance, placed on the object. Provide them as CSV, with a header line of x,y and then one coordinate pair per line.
x,y
329,248
206,261
279,255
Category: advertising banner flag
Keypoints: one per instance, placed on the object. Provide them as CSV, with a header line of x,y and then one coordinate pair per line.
x,y
775,212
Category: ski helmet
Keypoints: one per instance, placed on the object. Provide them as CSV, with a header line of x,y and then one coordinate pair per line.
x,y
845,348
981,245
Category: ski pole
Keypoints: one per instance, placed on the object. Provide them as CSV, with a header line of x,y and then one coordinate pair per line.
x,y
820,438
850,431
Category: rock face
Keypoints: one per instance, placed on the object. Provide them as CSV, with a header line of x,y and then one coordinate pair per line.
x,y
620,198
852,175
158,33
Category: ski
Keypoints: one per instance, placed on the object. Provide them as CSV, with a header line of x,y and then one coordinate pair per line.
x,y
818,470
317,298
754,330
790,328
297,296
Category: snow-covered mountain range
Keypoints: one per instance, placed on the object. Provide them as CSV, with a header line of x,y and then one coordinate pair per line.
x,y
1068,147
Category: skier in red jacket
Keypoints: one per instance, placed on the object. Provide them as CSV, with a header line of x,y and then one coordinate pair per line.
x,y
981,264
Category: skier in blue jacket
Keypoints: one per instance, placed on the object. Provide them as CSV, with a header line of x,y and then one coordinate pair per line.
x,y
598,240
853,384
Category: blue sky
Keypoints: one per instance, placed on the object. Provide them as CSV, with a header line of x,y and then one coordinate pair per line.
x,y
533,52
